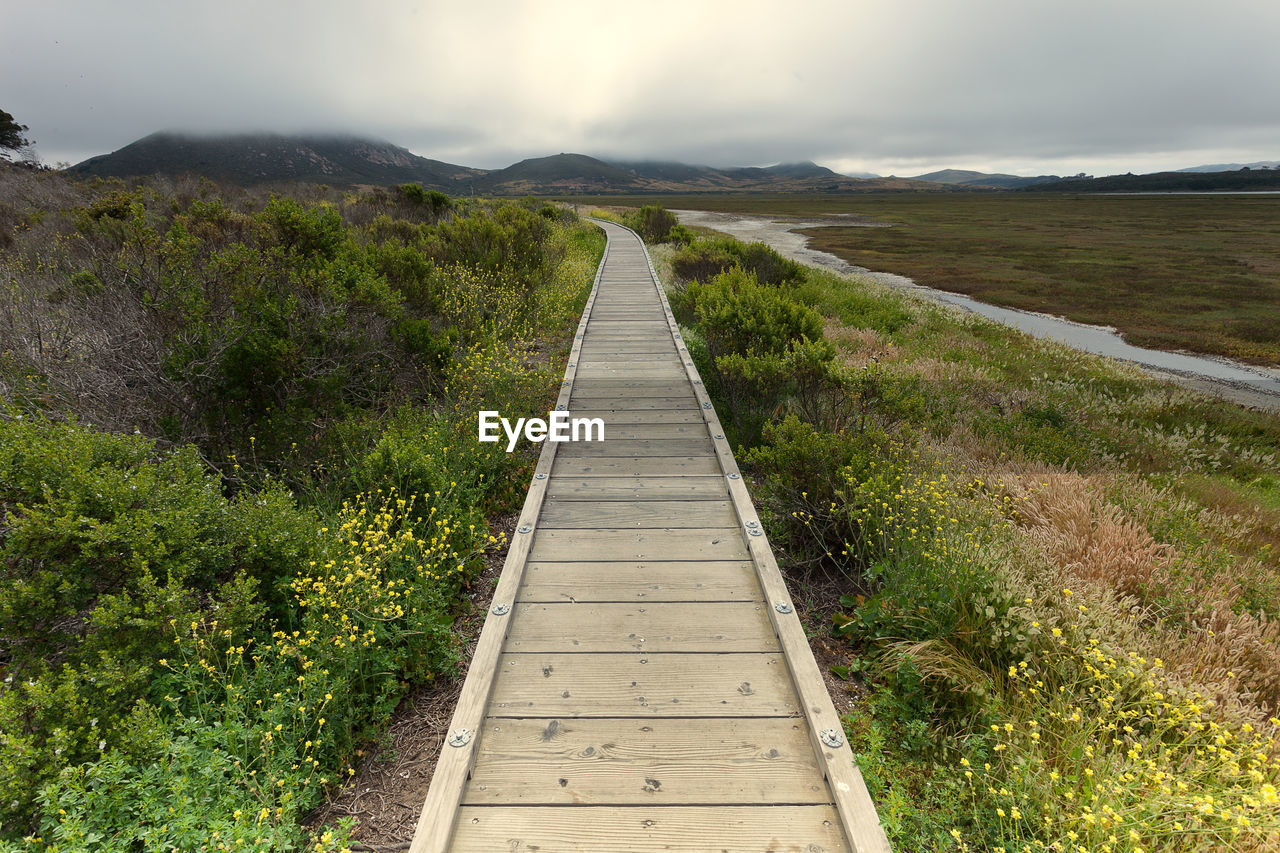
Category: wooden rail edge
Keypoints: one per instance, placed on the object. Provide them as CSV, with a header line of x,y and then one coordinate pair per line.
x,y
852,800
440,811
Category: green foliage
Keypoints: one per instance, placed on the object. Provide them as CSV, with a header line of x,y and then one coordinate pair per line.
x,y
918,802
436,456
11,138
107,543
312,233
853,306
653,223
187,791
1006,711
801,476
506,239
704,259
176,635
434,201
766,349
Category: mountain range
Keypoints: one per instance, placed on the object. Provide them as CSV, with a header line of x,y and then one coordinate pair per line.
x,y
983,180
254,159
345,160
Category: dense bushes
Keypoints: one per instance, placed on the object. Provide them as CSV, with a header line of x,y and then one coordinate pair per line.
x,y
765,351
1060,649
703,259
241,491
108,545
202,323
656,224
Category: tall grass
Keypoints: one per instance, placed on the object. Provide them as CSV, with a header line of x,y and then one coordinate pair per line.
x,y
1062,644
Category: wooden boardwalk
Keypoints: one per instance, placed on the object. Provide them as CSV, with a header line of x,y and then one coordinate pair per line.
x,y
641,682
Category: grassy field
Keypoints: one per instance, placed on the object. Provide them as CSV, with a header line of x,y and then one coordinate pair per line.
x,y
1197,273
1056,580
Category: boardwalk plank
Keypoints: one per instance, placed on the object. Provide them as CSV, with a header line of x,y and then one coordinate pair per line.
x,y
637,514
635,580
567,488
676,829
641,762
634,416
692,543
642,685
614,402
656,447
640,466
662,627
652,431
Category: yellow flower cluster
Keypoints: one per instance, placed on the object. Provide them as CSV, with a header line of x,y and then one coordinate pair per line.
x,y
1113,758
490,306
355,585
376,582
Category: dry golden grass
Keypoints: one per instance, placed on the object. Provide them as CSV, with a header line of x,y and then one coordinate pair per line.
x,y
857,348
1189,618
1091,539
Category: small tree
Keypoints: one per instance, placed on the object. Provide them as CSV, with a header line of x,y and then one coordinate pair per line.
x,y
11,138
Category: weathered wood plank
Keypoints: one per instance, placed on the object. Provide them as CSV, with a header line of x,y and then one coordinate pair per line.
x,y
614,402
663,367
566,488
625,431
626,627
637,416
618,365
632,387
637,514
642,685
636,447
656,326
693,543
644,466
676,829
641,762
596,348
715,580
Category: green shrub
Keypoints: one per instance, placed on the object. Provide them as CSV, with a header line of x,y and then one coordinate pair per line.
x,y
187,793
766,349
436,456
505,238
108,543
312,233
701,260
802,473
653,223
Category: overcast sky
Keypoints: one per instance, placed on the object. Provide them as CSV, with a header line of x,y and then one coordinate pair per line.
x,y
892,86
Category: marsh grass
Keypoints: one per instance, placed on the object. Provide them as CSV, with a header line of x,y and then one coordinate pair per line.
x,y
1170,272
1061,584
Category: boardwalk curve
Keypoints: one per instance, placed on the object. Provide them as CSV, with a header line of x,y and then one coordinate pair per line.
x,y
641,681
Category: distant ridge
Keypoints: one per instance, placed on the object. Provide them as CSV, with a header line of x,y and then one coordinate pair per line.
x,y
1234,167
263,158
271,158
1239,180
975,180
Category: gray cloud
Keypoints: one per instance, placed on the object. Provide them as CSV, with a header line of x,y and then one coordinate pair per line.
x,y
896,87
